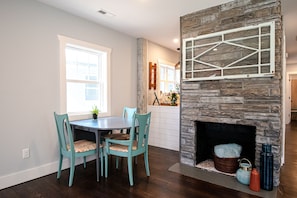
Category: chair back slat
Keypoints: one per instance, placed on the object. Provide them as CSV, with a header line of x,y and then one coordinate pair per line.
x,y
129,112
143,121
64,132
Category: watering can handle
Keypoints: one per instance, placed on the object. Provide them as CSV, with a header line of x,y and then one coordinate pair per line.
x,y
245,160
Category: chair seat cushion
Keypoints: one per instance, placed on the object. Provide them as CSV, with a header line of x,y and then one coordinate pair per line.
x,y
83,146
122,148
118,136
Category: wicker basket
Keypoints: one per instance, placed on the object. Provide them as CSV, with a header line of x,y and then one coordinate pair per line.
x,y
227,165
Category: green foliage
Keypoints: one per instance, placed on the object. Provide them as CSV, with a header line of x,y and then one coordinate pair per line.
x,y
173,96
95,110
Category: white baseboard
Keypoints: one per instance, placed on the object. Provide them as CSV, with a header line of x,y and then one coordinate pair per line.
x,y
34,173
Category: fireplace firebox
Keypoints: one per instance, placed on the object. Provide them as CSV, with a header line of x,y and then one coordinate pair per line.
x,y
210,134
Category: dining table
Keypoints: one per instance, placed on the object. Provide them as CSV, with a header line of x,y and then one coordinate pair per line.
x,y
100,126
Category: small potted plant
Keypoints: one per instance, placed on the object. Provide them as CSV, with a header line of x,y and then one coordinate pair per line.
x,y
173,98
95,111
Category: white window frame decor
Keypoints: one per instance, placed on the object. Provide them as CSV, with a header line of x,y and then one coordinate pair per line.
x,y
254,47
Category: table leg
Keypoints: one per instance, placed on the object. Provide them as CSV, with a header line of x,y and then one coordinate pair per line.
x,y
73,132
98,153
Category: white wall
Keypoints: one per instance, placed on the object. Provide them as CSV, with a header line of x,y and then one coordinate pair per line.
x,y
291,68
29,82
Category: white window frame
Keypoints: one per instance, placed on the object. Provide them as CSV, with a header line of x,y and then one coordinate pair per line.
x,y
63,81
167,64
190,59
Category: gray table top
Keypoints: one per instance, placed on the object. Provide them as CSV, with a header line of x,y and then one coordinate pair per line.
x,y
104,123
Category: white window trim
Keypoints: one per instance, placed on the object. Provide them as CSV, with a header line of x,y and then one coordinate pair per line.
x,y
162,62
63,96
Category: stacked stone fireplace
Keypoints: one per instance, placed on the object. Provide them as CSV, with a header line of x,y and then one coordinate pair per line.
x,y
254,102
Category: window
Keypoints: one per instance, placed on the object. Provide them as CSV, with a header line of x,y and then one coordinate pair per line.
x,y
84,77
169,78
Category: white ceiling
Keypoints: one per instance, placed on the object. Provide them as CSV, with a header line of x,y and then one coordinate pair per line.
x,y
158,20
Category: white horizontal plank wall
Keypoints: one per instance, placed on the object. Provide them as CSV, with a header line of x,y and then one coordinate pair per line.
x,y
164,128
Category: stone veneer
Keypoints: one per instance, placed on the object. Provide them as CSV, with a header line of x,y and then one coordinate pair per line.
x,y
249,101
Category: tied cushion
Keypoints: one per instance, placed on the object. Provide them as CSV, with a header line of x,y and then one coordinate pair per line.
x,y
122,148
118,136
83,146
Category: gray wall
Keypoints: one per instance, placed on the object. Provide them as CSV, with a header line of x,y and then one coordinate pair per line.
x,y
29,82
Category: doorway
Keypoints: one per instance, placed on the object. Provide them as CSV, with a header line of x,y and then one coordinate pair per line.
x,y
293,80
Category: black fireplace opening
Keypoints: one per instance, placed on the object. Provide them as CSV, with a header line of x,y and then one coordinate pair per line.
x,y
210,134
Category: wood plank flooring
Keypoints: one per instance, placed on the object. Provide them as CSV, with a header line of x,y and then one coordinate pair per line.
x,y
161,184
288,179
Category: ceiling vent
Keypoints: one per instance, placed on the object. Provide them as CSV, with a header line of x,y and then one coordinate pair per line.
x,y
106,13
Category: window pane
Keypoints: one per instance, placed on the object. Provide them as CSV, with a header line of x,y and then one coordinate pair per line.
x,y
177,80
162,73
177,75
171,87
82,96
170,74
76,98
162,87
81,64
91,92
169,78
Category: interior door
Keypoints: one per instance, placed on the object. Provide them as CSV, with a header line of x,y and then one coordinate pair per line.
x,y
294,94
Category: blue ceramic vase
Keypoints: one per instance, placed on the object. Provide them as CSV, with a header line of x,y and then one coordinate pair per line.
x,y
243,174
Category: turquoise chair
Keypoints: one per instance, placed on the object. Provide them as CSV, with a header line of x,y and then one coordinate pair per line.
x,y
74,149
134,146
128,113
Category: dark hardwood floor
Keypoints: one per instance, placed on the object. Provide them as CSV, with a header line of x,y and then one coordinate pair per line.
x,y
161,184
288,184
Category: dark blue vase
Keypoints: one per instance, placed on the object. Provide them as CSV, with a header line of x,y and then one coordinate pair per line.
x,y
266,167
